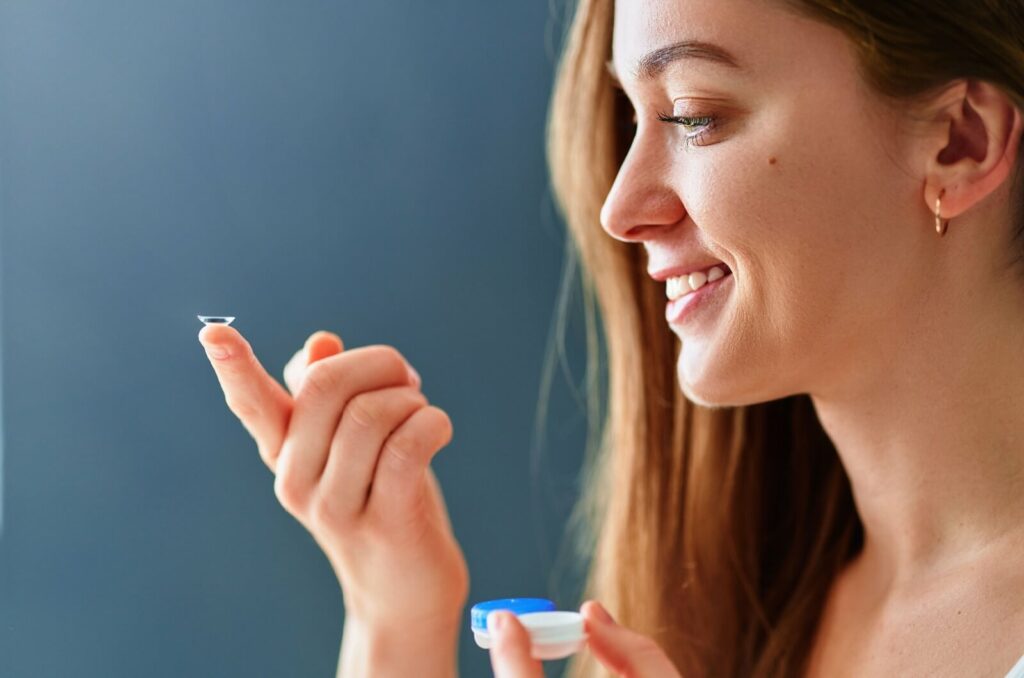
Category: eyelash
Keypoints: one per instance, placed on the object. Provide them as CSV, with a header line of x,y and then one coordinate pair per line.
x,y
696,138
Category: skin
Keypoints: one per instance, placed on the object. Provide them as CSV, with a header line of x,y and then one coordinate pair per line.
x,y
618,649
820,197
349,443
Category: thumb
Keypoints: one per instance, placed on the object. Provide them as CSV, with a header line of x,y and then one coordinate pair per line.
x,y
510,647
621,650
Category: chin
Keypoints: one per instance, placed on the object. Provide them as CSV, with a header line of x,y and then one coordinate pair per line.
x,y
698,380
710,398
715,389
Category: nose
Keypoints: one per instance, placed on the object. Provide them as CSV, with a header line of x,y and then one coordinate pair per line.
x,y
641,203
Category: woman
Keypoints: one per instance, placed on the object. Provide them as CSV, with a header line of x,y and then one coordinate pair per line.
x,y
813,468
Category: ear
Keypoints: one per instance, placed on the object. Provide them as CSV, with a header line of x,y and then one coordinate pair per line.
x,y
981,129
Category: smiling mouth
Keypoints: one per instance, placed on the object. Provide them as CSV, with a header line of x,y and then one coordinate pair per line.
x,y
680,286
678,310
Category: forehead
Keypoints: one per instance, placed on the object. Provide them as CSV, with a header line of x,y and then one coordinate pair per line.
x,y
755,32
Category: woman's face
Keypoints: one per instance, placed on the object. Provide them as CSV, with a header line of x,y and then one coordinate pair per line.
x,y
803,183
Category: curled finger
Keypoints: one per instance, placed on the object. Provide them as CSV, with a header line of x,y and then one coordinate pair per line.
x,y
319,345
399,475
366,423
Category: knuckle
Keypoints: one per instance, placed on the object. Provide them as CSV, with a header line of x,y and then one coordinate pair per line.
x,y
391,357
286,490
333,517
400,451
267,454
290,368
366,410
321,378
444,424
324,513
281,491
413,399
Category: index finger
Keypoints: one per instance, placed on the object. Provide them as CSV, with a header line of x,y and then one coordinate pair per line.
x,y
256,398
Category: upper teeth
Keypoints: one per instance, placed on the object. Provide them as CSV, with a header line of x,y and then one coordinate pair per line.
x,y
685,284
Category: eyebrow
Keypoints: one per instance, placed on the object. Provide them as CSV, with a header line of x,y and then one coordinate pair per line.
x,y
654,63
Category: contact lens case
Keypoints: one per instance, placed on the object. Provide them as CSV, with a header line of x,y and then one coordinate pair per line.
x,y
554,634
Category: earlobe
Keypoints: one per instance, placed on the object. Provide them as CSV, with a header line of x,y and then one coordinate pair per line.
x,y
979,153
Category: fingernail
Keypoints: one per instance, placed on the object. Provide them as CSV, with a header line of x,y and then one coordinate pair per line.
x,y
217,351
414,375
495,622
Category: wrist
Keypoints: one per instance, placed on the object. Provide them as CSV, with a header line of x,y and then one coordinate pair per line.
x,y
427,650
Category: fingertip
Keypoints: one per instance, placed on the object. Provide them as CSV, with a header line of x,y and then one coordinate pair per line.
x,y
322,344
509,637
494,623
504,625
217,334
220,341
594,611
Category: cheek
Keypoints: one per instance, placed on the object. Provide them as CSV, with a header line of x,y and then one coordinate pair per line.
x,y
774,197
740,190
799,234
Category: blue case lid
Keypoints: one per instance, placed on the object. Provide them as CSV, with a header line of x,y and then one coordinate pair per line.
x,y
479,612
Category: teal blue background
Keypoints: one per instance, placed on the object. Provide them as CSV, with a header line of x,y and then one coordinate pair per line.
x,y
375,169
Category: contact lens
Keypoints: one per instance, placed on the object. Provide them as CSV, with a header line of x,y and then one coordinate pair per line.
x,y
216,319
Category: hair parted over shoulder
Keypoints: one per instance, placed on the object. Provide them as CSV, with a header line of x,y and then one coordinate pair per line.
x,y
718,531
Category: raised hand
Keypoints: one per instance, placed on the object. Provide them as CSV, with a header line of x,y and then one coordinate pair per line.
x,y
350,446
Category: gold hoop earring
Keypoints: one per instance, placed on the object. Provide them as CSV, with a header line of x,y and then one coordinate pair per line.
x,y
940,225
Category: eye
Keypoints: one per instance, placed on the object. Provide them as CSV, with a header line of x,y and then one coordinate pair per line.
x,y
703,124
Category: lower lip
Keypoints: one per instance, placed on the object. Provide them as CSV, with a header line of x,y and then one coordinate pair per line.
x,y
680,309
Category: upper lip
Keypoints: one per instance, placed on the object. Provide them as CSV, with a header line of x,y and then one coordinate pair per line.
x,y
686,269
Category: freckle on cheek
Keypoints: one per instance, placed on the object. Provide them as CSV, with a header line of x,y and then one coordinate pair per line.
x,y
772,160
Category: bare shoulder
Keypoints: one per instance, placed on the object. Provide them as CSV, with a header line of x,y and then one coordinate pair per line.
x,y
968,622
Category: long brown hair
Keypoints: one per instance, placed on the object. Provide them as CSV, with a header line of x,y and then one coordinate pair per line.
x,y
718,531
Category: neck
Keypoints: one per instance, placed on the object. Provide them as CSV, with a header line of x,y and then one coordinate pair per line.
x,y
931,433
